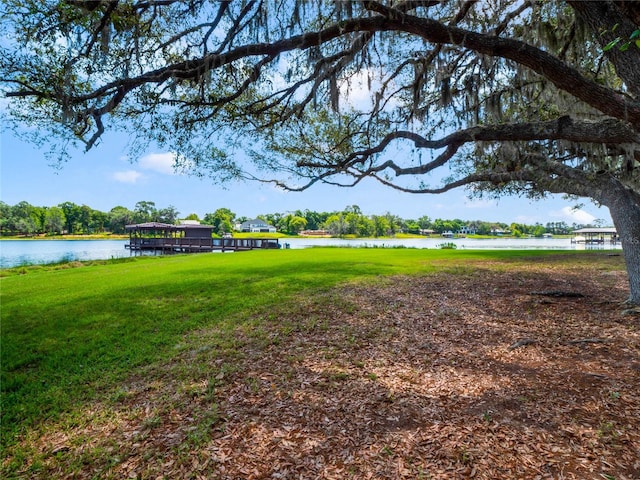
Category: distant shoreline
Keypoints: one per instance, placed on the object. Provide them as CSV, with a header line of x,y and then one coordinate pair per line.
x,y
66,237
109,236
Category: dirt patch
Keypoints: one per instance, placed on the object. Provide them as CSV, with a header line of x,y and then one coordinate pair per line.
x,y
412,378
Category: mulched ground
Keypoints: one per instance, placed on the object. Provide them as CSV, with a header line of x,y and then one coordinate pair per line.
x,y
490,374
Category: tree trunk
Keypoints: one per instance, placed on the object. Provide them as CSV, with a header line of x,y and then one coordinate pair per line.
x,y
624,205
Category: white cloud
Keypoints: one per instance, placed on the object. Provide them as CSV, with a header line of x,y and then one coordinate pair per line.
x,y
128,176
572,215
355,90
359,89
159,162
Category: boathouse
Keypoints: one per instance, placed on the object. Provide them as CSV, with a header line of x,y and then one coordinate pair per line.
x,y
188,238
595,236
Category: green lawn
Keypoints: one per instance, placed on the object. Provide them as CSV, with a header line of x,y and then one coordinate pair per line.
x,y
70,335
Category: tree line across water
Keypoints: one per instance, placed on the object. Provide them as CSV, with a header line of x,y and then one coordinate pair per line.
x,y
24,219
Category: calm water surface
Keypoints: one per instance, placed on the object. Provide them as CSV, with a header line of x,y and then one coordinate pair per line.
x,y
21,252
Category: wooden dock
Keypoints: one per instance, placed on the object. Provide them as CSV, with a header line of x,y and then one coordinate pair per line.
x,y
165,238
194,245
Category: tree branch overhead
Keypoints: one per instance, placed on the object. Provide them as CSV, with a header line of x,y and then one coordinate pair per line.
x,y
510,97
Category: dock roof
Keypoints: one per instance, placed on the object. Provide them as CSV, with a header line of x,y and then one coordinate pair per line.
x,y
166,226
150,226
609,230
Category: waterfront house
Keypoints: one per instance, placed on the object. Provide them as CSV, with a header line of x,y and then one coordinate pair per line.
x,y
257,226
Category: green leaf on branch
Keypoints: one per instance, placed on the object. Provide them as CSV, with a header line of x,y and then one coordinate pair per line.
x,y
611,44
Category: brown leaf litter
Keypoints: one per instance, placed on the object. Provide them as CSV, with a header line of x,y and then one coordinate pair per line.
x,y
411,378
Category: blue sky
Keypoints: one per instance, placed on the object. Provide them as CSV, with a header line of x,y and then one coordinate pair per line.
x,y
103,178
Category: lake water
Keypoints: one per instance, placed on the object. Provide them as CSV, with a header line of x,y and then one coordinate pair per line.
x,y
20,252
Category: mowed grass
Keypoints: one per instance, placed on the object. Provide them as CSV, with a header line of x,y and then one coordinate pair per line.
x,y
71,336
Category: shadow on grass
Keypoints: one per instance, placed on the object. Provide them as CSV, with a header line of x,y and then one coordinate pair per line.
x,y
69,335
